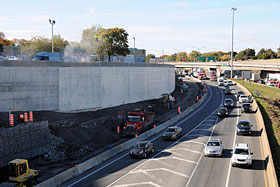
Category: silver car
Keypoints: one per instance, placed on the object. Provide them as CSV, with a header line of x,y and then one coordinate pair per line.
x,y
214,147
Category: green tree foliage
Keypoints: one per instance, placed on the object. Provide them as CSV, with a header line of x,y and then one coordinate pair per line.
x,y
193,55
246,54
114,42
4,41
173,57
41,44
149,56
266,54
278,52
181,56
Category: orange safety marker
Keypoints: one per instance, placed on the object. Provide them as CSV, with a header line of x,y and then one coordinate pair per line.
x,y
188,108
30,116
179,110
118,129
136,136
12,120
197,98
155,126
25,117
181,91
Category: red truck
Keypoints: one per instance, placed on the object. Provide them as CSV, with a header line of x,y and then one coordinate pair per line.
x,y
138,122
211,75
201,76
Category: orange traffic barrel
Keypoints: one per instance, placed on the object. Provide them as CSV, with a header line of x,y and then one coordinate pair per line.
x,y
31,116
25,117
11,119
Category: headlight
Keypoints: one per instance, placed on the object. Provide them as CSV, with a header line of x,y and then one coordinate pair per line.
x,y
248,159
141,152
234,159
173,136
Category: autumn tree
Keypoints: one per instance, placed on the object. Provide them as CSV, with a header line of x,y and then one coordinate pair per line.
x,y
193,55
114,42
4,41
91,39
266,54
181,56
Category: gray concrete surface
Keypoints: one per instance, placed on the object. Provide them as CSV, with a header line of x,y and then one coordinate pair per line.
x,y
24,141
79,86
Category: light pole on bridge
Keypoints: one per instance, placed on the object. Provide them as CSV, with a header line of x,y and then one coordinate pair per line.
x,y
231,70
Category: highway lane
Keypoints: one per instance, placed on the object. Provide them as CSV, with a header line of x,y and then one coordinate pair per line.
x,y
218,171
173,162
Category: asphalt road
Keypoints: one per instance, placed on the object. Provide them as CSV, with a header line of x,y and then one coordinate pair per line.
x,y
182,163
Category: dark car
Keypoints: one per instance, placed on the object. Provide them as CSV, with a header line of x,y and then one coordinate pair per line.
x,y
228,103
172,133
226,86
239,93
227,91
244,127
141,149
246,107
223,112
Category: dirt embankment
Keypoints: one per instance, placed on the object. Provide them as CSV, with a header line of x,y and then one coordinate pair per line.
x,y
78,136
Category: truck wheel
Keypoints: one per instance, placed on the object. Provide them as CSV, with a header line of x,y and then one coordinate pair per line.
x,y
31,182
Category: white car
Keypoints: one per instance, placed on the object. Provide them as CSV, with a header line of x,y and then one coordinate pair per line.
x,y
241,155
214,147
243,99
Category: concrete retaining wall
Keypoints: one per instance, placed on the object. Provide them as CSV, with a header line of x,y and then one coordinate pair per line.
x,y
266,152
23,141
83,167
77,86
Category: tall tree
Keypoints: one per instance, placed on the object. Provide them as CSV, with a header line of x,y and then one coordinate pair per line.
x,y
91,39
246,54
181,56
193,55
114,42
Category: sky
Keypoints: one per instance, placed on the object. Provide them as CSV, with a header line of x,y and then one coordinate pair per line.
x,y
159,26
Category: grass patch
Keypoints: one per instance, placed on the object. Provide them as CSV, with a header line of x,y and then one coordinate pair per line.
x,y
269,104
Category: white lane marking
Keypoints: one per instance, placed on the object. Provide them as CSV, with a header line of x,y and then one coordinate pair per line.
x,y
209,125
162,150
234,141
138,184
191,141
113,161
179,149
211,120
202,151
204,130
176,158
161,169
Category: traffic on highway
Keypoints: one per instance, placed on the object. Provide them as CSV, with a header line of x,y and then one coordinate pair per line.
x,y
215,145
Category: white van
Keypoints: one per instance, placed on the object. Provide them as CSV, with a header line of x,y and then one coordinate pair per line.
x,y
220,81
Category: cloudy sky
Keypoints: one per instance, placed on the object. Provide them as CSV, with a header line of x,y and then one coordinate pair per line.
x,y
159,26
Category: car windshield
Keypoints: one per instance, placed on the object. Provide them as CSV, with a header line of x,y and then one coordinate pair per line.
x,y
223,110
171,130
228,101
240,92
243,96
244,124
134,119
229,82
140,145
241,151
213,144
246,105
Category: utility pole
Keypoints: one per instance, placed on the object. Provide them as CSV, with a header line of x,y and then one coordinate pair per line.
x,y
52,22
134,51
231,72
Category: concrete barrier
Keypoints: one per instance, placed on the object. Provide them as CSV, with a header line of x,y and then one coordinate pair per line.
x,y
266,151
85,166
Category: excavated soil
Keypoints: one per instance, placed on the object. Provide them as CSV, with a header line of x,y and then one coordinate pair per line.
x,y
78,136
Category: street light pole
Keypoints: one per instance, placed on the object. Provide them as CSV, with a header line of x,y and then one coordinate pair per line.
x,y
231,72
134,51
52,22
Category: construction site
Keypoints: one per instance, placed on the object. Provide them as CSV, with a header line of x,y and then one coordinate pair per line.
x,y
76,136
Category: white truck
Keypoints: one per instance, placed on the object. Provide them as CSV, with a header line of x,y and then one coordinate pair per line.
x,y
255,77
